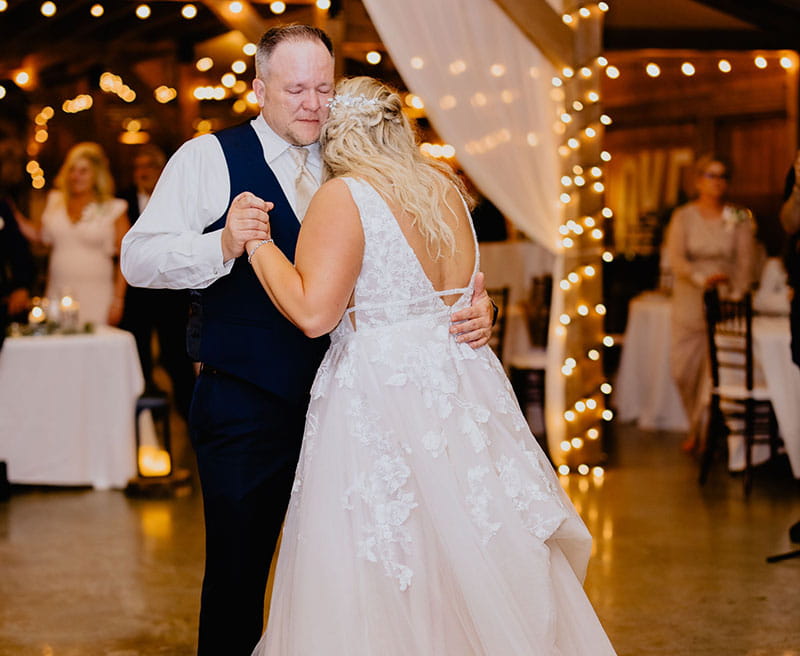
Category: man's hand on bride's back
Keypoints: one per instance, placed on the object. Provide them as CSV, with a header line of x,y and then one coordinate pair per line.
x,y
248,220
473,325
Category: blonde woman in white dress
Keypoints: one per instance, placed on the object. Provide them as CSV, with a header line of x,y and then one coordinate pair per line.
x,y
84,225
424,517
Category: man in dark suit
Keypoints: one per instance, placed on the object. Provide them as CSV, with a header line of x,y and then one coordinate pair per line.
x,y
17,270
165,311
249,404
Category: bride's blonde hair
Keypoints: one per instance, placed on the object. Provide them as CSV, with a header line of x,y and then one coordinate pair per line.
x,y
368,136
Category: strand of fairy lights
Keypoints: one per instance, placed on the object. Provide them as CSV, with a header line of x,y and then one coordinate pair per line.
x,y
586,413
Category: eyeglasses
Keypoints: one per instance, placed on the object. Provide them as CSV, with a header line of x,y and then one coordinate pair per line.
x,y
717,176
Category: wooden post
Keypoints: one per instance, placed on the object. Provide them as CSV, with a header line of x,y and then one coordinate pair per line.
x,y
581,322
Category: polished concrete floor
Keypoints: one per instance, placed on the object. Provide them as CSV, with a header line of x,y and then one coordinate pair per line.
x,y
676,569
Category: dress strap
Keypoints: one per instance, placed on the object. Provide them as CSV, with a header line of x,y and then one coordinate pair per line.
x,y
417,299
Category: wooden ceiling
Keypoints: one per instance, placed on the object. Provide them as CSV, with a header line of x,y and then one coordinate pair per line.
x,y
67,52
703,24
72,43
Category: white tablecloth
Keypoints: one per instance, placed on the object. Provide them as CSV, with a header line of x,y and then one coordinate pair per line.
x,y
514,264
771,339
645,391
68,405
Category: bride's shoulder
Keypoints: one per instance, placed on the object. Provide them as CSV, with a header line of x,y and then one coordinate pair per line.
x,y
334,196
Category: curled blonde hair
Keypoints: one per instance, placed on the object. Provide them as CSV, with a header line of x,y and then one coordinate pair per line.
x,y
368,136
93,153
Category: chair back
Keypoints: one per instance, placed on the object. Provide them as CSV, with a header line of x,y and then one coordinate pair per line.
x,y
730,338
498,339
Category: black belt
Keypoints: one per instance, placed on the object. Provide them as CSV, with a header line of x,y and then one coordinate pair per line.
x,y
215,371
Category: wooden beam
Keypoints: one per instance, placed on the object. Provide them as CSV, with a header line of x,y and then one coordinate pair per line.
x,y
768,15
638,39
544,27
248,21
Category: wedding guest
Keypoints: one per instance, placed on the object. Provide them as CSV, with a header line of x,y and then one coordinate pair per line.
x,y
84,224
160,311
250,400
17,270
709,243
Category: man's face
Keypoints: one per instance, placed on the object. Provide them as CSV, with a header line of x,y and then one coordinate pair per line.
x,y
145,173
295,90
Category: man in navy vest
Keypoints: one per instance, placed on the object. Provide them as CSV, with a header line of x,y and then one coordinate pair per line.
x,y
249,403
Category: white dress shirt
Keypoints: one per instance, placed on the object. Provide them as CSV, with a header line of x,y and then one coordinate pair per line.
x,y
166,246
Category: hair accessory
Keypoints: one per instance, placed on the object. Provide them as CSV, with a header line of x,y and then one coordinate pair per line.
x,y
351,102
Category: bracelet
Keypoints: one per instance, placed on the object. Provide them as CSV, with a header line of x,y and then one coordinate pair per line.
x,y
257,246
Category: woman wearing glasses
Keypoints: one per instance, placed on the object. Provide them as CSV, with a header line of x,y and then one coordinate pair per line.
x,y
710,242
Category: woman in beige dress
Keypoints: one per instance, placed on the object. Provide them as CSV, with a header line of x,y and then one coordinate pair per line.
x,y
709,243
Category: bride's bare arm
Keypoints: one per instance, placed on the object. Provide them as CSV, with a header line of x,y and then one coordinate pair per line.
x,y
314,292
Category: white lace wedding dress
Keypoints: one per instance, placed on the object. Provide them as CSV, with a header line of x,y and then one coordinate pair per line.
x,y
424,520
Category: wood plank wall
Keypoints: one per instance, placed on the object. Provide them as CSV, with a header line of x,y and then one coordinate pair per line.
x,y
661,124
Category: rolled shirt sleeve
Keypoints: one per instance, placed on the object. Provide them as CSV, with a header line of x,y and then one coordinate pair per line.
x,y
166,247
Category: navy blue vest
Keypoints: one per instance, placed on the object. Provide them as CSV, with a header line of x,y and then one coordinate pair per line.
x,y
234,325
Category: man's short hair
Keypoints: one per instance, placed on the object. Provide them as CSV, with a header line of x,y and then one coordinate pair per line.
x,y
295,33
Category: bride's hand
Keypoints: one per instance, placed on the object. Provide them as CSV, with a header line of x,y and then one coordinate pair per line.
x,y
247,221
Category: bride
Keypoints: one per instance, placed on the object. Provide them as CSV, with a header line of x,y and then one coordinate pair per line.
x,y
424,518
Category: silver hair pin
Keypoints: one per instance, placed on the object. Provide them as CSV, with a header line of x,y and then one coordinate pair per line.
x,y
354,102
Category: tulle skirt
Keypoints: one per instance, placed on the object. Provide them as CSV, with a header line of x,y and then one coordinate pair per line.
x,y
425,519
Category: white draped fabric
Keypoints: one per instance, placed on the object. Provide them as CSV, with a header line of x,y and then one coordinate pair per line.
x,y
487,90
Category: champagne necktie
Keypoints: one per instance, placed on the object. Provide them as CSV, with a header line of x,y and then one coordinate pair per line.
x,y
304,183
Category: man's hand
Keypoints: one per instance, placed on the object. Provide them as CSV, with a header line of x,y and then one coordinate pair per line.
x,y
473,325
248,219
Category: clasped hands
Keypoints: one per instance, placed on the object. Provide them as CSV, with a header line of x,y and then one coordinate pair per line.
x,y
247,221
247,224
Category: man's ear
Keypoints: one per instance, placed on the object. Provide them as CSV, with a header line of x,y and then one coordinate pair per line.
x,y
260,90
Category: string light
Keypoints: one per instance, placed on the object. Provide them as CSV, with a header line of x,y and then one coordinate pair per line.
x,y
249,49
373,57
204,64
97,10
48,9
143,12
653,70
22,78
786,62
189,11
323,4
760,62
724,65
277,7
612,72
688,69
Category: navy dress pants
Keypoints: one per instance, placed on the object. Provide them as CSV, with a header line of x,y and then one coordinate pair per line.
x,y
247,443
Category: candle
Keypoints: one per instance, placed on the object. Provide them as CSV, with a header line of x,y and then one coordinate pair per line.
x,y
68,311
154,461
37,315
